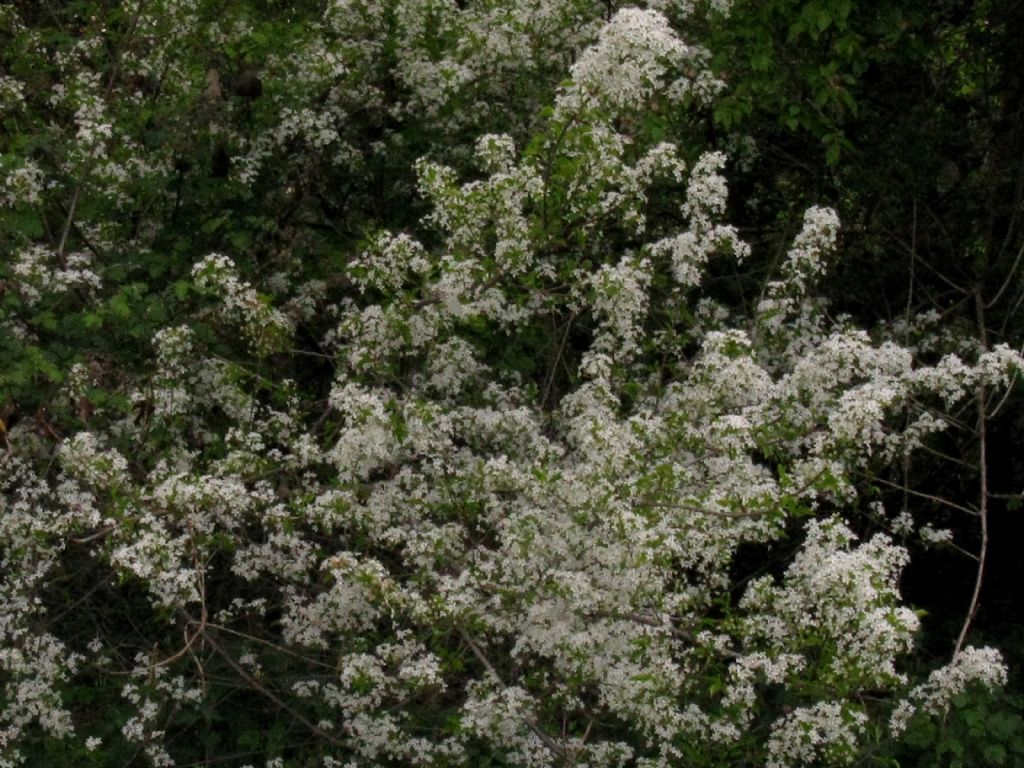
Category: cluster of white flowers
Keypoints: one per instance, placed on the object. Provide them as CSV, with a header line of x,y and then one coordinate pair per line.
x,y
620,303
428,531
12,93
83,458
263,325
817,238
387,261
634,57
495,204
21,185
971,667
952,378
789,316
40,272
34,664
502,716
150,690
824,733
93,127
705,203
847,596
931,535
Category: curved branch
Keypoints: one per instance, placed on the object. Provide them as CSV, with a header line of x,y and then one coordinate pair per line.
x,y
972,609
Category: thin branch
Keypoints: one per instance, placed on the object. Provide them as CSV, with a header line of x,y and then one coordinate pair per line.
x,y
52,620
946,417
698,510
1005,397
674,629
200,629
931,268
100,534
972,608
68,221
221,759
269,644
913,262
558,357
263,691
478,291
532,724
919,494
1008,280
310,354
957,548
945,457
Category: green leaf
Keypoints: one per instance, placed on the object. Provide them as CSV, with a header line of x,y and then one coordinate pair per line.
x,y
832,153
92,320
120,306
824,19
760,62
240,239
26,223
46,320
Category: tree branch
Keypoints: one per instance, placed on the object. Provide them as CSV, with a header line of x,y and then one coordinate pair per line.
x,y
530,722
259,687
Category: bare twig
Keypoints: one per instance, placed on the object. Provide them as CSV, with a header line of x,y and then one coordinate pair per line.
x,y
742,513
68,221
919,494
972,608
558,357
100,534
1008,280
261,689
269,644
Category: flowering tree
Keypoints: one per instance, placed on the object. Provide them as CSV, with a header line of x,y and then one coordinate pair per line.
x,y
464,469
